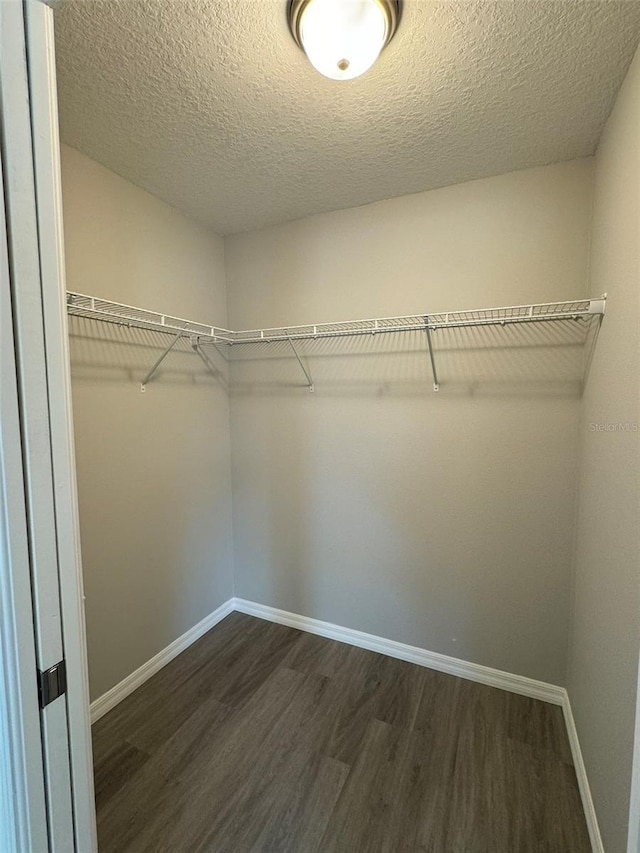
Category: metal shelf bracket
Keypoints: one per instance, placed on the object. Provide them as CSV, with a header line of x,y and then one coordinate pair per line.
x,y
586,314
427,328
195,346
304,369
151,373
598,307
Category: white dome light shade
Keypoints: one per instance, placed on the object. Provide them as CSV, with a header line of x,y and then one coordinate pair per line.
x,y
343,38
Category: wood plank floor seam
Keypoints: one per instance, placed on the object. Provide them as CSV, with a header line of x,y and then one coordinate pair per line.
x,y
260,738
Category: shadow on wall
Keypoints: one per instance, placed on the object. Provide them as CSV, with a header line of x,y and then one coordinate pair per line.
x,y
541,358
154,492
116,353
441,520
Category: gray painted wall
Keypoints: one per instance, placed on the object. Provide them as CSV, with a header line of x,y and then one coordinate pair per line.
x,y
442,520
153,468
606,614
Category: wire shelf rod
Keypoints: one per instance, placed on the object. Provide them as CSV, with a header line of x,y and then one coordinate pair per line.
x,y
94,308
584,309
91,307
269,336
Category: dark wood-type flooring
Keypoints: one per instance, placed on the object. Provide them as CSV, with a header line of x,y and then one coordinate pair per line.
x,y
264,738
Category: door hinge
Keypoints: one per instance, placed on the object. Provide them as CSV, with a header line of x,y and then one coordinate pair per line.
x,y
52,683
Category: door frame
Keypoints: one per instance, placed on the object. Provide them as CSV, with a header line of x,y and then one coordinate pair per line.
x,y
22,773
44,117
22,794
46,772
633,839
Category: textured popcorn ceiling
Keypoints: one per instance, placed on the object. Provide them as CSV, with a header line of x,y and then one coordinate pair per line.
x,y
210,105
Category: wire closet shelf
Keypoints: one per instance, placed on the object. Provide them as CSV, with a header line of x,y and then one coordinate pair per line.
x,y
587,311
80,305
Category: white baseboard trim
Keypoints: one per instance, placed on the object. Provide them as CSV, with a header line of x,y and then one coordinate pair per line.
x,y
112,697
452,666
581,775
432,660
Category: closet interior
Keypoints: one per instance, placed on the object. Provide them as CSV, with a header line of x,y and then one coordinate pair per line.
x,y
581,312
328,609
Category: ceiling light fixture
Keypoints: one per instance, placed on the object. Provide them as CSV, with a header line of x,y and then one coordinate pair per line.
x,y
343,38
